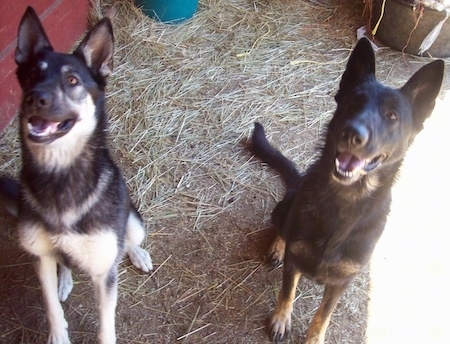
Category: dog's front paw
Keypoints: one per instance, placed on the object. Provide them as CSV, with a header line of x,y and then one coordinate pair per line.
x,y
280,326
315,335
107,337
140,258
315,340
58,337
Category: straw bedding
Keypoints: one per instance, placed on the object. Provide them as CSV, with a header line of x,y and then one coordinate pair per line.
x,y
182,101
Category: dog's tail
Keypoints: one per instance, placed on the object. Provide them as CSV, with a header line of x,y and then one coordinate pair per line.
x,y
9,195
263,150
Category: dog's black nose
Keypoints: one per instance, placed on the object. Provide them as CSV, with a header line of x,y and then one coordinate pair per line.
x,y
39,99
355,135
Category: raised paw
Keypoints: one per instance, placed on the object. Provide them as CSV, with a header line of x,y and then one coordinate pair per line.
x,y
140,258
280,326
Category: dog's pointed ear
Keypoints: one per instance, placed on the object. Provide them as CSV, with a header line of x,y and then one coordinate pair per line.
x,y
360,66
422,89
97,48
31,37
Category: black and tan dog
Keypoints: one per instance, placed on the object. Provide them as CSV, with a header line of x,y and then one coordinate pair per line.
x,y
332,216
72,205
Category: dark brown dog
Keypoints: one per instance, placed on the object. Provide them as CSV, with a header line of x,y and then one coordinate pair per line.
x,y
333,215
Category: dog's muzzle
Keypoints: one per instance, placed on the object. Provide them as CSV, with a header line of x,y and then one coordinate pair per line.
x,y
349,168
352,161
42,130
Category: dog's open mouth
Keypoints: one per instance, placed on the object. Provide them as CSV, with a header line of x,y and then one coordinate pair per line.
x,y
349,167
43,131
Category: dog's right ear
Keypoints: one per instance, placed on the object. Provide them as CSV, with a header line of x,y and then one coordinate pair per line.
x,y
422,90
360,67
97,48
31,38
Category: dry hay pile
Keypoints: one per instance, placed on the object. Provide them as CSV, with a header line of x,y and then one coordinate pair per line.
x,y
182,100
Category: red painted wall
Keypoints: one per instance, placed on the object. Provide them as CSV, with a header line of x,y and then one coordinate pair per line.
x,y
64,21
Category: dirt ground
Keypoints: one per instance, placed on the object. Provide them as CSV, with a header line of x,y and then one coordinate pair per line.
x,y
210,283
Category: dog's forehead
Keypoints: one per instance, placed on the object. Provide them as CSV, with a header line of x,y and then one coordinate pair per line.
x,y
394,98
52,62
380,93
68,68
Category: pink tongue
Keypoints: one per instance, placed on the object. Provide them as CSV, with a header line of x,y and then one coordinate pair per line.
x,y
41,125
349,162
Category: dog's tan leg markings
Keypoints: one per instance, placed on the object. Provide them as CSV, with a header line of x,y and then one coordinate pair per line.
x,y
280,322
134,237
319,324
46,271
105,287
276,251
65,282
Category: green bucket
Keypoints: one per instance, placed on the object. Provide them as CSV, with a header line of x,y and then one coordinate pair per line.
x,y
168,11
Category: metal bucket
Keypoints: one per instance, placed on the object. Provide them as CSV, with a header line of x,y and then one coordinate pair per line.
x,y
168,11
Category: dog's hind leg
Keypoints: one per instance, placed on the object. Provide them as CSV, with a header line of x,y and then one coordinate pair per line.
x,y
47,272
276,251
279,216
280,322
319,324
133,239
65,282
105,287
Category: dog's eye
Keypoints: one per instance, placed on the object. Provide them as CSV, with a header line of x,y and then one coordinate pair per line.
x,y
72,80
392,116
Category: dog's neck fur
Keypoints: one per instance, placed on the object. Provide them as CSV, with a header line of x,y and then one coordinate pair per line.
x,y
40,182
338,201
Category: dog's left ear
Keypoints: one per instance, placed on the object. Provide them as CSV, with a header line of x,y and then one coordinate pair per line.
x,y
422,89
360,67
31,37
97,48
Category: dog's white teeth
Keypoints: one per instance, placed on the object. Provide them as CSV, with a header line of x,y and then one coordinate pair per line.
x,y
346,174
42,131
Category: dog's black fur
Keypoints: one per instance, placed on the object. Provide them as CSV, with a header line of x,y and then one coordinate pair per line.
x,y
72,204
332,216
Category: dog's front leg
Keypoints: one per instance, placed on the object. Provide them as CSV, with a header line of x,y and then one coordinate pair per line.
x,y
105,287
280,322
47,273
319,324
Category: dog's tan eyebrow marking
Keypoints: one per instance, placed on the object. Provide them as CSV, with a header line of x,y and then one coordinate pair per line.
x,y
65,69
43,65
